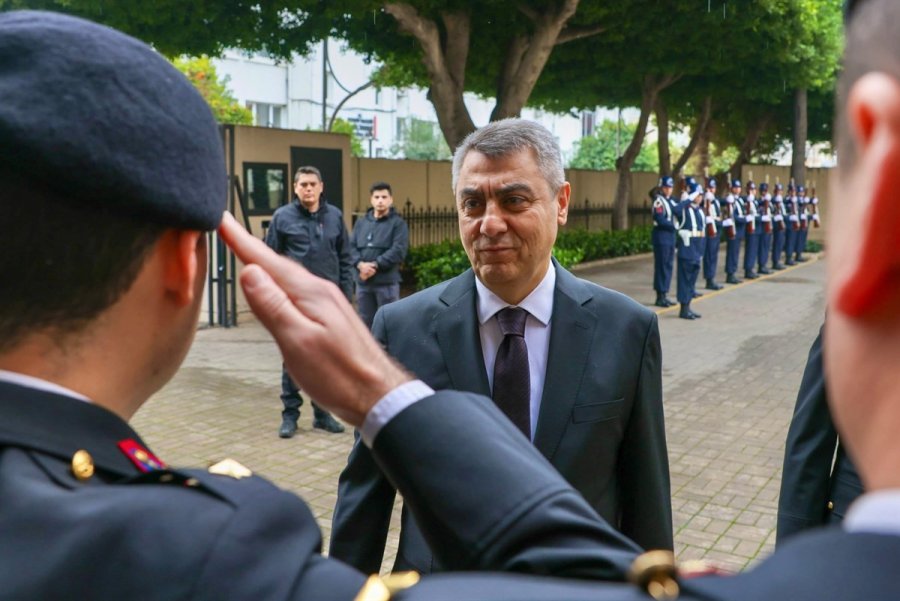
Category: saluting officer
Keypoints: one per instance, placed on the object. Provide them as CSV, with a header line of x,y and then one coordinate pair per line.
x,y
663,240
713,210
690,242
764,235
778,227
738,222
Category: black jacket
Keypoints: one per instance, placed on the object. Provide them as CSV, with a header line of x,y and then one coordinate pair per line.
x,y
318,241
384,241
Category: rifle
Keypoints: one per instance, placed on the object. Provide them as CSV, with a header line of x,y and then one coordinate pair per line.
x,y
728,215
708,211
795,224
779,210
767,212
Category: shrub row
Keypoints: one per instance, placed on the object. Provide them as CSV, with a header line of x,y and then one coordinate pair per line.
x,y
431,264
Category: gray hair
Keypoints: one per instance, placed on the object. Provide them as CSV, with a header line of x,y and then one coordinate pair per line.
x,y
509,136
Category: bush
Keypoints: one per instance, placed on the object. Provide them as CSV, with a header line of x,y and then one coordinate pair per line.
x,y
431,264
813,246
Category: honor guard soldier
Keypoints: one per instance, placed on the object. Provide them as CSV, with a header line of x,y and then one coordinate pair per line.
x,y
663,239
712,208
736,225
792,231
690,242
802,208
778,227
751,240
764,235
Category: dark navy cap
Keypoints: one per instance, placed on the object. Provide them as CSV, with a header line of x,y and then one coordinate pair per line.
x,y
735,183
764,187
101,119
801,188
690,182
711,182
666,181
751,186
779,187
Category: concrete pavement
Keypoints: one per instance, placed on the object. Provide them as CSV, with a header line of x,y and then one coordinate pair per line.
x,y
729,380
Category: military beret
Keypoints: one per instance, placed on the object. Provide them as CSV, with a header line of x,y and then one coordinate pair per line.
x,y
101,119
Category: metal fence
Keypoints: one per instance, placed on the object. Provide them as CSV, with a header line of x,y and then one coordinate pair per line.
x,y
431,225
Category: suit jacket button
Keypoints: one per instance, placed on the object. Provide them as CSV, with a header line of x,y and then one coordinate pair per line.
x,y
82,465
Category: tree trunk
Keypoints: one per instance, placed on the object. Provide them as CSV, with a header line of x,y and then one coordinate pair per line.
x,y
748,145
699,130
650,89
445,62
662,137
798,160
703,150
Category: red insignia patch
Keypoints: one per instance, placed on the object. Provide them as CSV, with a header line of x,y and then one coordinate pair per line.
x,y
659,210
140,456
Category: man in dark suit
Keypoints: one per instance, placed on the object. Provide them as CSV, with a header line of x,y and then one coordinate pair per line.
x,y
594,404
818,482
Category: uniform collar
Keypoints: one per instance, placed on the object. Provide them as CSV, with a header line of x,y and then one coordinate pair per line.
x,y
40,384
876,512
59,425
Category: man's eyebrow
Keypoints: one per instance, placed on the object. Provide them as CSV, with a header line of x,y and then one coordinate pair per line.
x,y
515,187
471,191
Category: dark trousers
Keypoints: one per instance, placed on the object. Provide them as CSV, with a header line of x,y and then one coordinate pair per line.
x,y
801,243
765,245
688,271
711,257
790,243
732,254
663,256
369,298
777,245
290,397
751,246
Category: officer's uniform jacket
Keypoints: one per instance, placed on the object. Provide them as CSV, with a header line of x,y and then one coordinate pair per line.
x,y
663,221
691,232
738,215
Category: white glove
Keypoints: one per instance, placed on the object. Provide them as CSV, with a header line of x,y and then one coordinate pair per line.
x,y
685,237
766,218
727,222
779,218
710,219
793,218
816,218
730,199
684,196
709,196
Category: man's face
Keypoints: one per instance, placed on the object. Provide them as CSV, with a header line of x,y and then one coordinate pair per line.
x,y
308,189
508,219
381,201
736,190
667,191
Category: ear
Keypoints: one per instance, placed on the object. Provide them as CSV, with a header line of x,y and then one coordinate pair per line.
x,y
180,250
562,201
873,275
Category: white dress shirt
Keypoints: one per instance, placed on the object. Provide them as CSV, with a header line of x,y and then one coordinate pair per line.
x,y
539,305
875,512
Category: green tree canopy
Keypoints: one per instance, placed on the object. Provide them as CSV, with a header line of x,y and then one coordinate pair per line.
x,y
600,150
201,72
422,140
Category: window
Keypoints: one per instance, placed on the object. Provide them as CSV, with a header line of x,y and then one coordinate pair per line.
x,y
265,187
267,115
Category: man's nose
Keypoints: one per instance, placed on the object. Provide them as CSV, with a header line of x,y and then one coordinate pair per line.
x,y
493,222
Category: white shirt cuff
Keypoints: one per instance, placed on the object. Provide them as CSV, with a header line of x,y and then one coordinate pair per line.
x,y
390,405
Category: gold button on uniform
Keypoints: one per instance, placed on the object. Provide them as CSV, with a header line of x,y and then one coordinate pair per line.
x,y
82,465
830,506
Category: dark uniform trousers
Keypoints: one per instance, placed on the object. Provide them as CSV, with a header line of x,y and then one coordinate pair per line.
x,y
778,236
765,246
691,254
663,241
733,246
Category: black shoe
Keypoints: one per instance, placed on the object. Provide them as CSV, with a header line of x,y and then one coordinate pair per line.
x,y
661,300
328,423
712,285
288,428
790,263
696,315
686,313
802,259
749,275
732,279
697,294
764,271
777,266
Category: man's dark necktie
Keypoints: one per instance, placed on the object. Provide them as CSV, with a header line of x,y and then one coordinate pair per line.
x,y
512,382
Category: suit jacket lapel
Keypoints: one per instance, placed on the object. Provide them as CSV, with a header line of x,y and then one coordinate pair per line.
x,y
570,345
456,331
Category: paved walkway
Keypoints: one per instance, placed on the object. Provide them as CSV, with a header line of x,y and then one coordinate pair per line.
x,y
729,380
